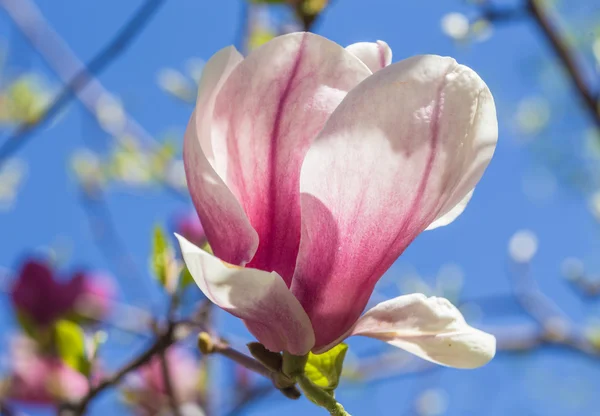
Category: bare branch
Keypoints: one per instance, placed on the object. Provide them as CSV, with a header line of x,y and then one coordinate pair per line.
x,y
164,365
157,347
567,57
76,75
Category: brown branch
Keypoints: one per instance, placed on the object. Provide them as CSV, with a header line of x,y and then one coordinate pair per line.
x,y
249,397
105,234
30,21
5,410
209,345
164,366
158,346
567,58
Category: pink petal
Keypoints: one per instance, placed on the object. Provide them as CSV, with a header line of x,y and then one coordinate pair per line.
x,y
41,297
404,146
431,328
268,113
183,369
375,55
227,228
261,299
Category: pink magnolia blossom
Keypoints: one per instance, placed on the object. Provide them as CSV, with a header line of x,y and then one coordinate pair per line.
x,y
42,298
147,390
312,168
188,225
94,301
42,380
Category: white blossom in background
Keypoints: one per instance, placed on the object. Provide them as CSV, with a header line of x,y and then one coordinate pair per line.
x,y
533,114
539,185
87,168
450,280
522,246
110,114
595,205
175,174
572,268
432,402
482,30
194,68
592,143
12,175
175,83
455,25
596,51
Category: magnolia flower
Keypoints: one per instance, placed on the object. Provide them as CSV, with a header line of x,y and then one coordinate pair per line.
x,y
40,379
42,299
312,168
189,226
147,389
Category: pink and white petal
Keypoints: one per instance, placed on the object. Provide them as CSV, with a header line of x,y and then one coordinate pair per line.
x,y
214,74
431,328
270,311
227,227
404,146
267,114
451,215
375,55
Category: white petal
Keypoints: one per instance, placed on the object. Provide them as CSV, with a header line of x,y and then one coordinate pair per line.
x,y
431,328
451,215
375,55
261,299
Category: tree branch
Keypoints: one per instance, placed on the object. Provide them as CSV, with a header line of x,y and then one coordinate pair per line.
x,y
558,43
158,346
560,47
31,23
164,365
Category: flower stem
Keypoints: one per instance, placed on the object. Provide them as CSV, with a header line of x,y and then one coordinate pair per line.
x,y
321,397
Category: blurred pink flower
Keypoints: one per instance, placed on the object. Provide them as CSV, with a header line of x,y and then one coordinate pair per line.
x,y
38,379
42,299
39,296
94,300
312,177
147,389
189,226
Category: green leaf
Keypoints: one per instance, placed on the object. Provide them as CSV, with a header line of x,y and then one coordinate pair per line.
x,y
27,324
161,256
186,278
70,344
324,370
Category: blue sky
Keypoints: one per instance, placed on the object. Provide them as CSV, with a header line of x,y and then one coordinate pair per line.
x,y
516,64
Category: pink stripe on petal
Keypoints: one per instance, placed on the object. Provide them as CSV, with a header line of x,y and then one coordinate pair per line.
x,y
408,142
375,55
270,311
227,227
268,113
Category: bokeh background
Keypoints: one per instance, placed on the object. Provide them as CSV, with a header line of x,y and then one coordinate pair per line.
x,y
83,189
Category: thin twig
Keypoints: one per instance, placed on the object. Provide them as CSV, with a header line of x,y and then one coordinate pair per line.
x,y
251,397
567,57
5,410
106,235
21,12
158,346
164,366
